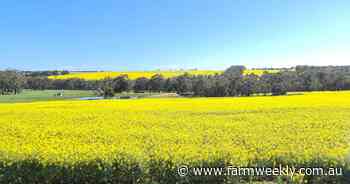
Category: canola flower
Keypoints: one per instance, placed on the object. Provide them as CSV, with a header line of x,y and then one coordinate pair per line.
x,y
148,74
296,129
131,74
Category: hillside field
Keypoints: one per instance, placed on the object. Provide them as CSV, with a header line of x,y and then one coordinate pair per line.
x,y
147,74
145,140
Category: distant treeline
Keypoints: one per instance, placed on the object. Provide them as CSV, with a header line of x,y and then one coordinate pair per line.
x,y
232,82
44,73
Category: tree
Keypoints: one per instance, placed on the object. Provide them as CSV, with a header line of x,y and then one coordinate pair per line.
x,y
200,86
141,84
11,82
265,84
340,82
183,83
107,87
235,76
120,84
234,72
170,85
220,86
108,92
156,83
249,85
278,85
315,84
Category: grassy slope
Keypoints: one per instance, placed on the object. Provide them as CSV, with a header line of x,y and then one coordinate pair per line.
x,y
44,95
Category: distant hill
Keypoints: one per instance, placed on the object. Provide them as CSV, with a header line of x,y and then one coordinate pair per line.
x,y
148,74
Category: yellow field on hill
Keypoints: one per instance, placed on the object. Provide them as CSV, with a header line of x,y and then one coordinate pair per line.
x,y
297,130
131,75
147,74
259,72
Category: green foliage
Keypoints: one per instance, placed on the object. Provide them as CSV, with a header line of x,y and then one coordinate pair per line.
x,y
124,171
11,82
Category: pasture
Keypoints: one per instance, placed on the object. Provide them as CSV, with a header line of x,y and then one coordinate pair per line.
x,y
45,95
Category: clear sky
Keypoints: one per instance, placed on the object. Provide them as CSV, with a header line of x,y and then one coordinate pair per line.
x,y
172,34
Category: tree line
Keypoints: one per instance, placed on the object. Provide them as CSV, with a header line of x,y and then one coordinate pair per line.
x,y
45,73
232,82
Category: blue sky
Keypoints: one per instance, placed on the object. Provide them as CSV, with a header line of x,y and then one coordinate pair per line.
x,y
161,34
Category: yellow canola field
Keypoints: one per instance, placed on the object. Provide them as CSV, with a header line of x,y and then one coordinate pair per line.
x,y
295,129
131,75
148,74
